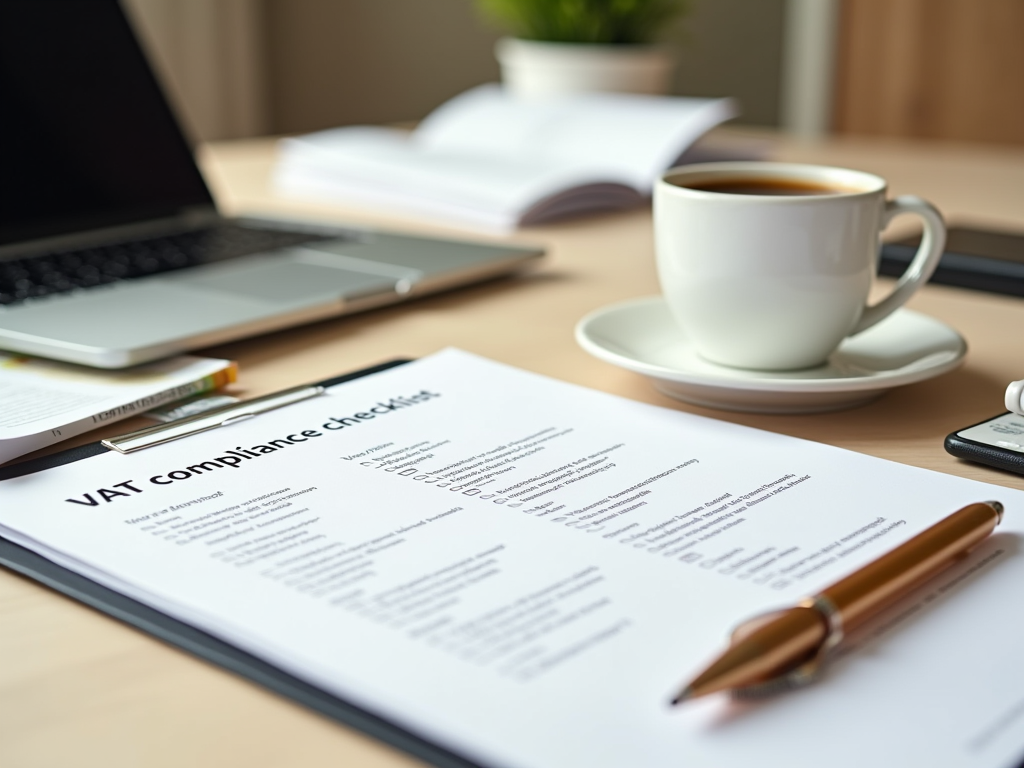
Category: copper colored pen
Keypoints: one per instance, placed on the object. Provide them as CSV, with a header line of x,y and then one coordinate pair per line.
x,y
785,649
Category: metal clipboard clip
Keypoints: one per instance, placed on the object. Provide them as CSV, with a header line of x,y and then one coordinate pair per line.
x,y
203,422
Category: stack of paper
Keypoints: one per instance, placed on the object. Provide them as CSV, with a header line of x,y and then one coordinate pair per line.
x,y
46,401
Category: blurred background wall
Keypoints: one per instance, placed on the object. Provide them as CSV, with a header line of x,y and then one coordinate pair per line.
x,y
920,68
943,69
249,67
212,58
371,61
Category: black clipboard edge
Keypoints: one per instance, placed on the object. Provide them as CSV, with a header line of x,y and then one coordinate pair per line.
x,y
200,644
53,460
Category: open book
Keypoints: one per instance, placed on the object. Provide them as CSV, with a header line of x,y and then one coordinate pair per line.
x,y
490,161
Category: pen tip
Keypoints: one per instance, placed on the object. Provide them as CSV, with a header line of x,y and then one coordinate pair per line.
x,y
683,695
998,507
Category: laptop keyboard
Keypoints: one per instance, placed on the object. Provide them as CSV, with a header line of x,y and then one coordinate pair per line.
x,y
69,270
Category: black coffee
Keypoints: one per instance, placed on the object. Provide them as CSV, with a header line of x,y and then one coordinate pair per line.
x,y
765,186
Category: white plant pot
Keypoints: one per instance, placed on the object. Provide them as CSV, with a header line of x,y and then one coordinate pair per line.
x,y
530,68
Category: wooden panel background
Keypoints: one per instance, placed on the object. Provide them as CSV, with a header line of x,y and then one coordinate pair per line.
x,y
949,69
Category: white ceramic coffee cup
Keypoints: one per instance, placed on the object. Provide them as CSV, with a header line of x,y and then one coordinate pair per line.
x,y
777,282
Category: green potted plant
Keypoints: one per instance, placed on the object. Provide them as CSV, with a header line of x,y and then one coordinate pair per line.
x,y
574,46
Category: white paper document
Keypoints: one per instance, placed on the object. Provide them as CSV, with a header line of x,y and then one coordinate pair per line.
x,y
524,571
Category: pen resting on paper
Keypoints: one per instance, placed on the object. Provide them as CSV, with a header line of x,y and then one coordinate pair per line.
x,y
789,645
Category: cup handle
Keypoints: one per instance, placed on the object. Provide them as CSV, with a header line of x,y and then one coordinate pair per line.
x,y
921,267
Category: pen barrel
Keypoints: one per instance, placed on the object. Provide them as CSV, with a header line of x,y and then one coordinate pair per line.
x,y
882,582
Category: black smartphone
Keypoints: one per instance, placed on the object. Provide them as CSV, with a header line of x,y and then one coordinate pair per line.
x,y
998,442
982,259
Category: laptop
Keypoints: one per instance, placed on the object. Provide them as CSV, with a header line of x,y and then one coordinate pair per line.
x,y
112,252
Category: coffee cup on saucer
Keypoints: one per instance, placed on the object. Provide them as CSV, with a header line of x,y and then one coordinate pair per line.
x,y
768,266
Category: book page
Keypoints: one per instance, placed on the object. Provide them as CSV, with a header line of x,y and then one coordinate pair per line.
x,y
628,136
525,571
387,168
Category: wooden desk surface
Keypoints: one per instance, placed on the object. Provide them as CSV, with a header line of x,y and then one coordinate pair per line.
x,y
78,688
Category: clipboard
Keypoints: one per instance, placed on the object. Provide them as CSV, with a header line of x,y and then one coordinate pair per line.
x,y
184,636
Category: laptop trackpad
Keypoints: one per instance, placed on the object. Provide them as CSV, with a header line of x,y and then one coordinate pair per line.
x,y
285,280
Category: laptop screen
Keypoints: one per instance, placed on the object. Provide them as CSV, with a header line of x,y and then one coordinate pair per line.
x,y
87,139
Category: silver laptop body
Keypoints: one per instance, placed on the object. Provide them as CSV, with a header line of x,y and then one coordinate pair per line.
x,y
112,252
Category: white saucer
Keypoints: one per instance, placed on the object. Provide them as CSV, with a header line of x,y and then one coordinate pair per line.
x,y
641,336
